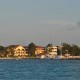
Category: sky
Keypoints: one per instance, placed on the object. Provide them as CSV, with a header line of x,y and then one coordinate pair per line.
x,y
39,21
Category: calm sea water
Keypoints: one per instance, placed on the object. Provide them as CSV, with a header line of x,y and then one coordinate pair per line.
x,y
35,69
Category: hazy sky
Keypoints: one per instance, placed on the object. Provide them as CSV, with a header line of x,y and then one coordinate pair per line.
x,y
39,21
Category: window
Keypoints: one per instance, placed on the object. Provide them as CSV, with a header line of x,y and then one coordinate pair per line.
x,y
18,49
23,50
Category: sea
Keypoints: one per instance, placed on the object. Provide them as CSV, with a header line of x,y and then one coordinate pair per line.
x,y
39,69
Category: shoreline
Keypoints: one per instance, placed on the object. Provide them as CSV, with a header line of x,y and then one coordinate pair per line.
x,y
10,58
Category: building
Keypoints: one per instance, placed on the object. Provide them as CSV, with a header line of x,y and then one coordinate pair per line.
x,y
20,51
39,50
52,52
17,51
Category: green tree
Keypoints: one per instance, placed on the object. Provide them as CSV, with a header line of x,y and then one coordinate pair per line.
x,y
75,50
2,48
10,50
66,48
31,49
49,48
3,52
71,49
49,45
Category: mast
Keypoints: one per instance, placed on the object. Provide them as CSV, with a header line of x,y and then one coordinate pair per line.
x,y
60,47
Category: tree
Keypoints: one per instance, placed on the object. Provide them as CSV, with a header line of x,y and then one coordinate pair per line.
x,y
2,48
66,48
71,49
49,45
10,50
3,52
31,49
49,48
75,50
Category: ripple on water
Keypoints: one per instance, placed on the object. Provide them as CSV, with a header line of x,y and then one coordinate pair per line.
x,y
35,69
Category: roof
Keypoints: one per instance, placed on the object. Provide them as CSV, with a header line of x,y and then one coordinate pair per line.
x,y
14,46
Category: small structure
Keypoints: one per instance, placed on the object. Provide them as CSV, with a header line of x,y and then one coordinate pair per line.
x,y
43,56
67,55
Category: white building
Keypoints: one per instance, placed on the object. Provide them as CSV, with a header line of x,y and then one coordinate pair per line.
x,y
52,52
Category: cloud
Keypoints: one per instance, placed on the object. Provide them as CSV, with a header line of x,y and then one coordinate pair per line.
x,y
75,26
57,22
78,24
65,24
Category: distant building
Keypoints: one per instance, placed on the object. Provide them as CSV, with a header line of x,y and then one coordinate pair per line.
x,y
17,51
20,51
39,50
52,52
